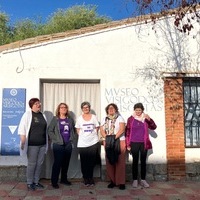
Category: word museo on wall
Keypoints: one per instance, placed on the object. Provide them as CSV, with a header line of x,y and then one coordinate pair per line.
x,y
125,98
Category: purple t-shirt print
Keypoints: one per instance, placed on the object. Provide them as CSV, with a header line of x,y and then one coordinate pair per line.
x,y
88,127
64,129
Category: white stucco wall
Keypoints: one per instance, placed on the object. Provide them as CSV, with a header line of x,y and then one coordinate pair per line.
x,y
114,56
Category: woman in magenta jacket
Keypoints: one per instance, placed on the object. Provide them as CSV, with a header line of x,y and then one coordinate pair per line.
x,y
138,142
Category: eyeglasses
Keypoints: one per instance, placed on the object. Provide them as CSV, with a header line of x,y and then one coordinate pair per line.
x,y
63,107
37,103
85,107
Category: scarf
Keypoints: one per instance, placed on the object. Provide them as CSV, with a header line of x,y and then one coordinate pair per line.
x,y
110,127
140,118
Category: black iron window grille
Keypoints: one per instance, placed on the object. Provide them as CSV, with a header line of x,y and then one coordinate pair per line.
x,y
191,88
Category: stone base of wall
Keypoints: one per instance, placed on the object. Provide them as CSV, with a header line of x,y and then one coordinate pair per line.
x,y
156,172
12,173
193,171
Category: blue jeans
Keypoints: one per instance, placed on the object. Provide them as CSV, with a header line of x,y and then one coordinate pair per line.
x,y
62,155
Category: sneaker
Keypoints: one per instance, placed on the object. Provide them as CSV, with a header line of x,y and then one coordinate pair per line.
x,y
86,182
66,182
144,184
111,185
31,187
39,186
91,182
122,187
135,184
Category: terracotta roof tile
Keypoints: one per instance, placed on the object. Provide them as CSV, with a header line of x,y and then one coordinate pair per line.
x,y
62,35
71,33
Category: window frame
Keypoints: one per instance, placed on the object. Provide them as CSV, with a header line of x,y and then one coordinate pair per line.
x,y
192,105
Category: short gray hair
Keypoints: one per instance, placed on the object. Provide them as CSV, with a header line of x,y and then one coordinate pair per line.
x,y
85,103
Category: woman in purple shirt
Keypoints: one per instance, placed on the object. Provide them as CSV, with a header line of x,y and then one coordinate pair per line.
x,y
61,132
138,142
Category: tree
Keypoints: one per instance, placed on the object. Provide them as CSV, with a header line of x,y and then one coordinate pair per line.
x,y
75,17
5,30
26,28
185,12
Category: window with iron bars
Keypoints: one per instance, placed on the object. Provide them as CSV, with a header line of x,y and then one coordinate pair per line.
x,y
191,88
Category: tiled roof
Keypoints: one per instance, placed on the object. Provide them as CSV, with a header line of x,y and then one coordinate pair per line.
x,y
56,36
71,33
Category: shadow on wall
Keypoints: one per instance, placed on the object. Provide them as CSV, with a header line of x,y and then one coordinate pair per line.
x,y
74,166
152,134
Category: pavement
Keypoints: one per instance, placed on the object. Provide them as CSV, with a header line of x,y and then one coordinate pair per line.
x,y
180,190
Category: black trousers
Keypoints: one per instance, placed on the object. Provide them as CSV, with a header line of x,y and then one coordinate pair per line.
x,y
62,155
138,151
88,158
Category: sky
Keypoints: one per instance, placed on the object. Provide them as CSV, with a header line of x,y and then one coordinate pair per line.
x,y
22,9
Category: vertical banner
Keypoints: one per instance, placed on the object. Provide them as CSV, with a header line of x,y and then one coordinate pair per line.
x,y
13,107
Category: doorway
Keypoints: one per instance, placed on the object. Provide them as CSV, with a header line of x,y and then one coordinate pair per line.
x,y
73,93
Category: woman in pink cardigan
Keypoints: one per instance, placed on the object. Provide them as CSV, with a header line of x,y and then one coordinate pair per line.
x,y
138,142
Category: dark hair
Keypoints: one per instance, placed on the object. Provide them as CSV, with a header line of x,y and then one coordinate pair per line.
x,y
32,101
58,109
138,105
85,103
113,105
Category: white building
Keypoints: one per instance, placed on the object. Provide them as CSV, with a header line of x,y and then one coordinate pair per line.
x,y
122,62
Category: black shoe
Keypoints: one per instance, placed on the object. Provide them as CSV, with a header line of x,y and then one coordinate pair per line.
x,y
55,186
86,182
122,187
66,182
111,185
91,182
31,187
39,186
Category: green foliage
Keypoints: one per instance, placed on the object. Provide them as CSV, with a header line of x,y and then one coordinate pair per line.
x,y
76,17
25,29
4,29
